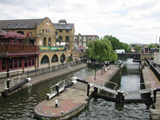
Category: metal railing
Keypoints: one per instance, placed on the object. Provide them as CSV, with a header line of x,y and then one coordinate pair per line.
x,y
103,82
50,69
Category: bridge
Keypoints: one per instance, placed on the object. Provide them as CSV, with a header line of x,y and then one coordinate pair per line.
x,y
129,55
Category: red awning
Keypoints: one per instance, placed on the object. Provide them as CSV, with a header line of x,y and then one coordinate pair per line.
x,y
12,34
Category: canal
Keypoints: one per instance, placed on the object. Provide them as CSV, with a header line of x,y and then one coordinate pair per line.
x,y
21,104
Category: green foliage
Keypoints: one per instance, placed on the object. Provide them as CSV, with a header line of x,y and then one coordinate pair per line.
x,y
153,45
101,50
116,44
137,48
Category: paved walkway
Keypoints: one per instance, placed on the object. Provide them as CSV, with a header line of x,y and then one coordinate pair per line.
x,y
105,76
73,100
151,81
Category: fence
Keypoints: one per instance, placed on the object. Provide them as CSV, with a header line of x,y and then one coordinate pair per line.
x,y
50,69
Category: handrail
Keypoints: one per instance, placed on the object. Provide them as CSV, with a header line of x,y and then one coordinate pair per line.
x,y
104,81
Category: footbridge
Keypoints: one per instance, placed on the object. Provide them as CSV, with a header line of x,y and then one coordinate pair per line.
x,y
129,55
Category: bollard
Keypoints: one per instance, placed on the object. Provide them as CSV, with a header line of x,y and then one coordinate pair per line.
x,y
95,90
122,96
88,87
57,89
155,93
47,96
118,98
8,83
56,103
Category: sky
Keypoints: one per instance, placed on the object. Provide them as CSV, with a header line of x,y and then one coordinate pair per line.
x,y
131,21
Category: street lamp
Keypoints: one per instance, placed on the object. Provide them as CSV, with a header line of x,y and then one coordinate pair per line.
x,y
95,70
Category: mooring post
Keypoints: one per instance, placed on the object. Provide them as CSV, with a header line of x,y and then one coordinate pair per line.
x,y
47,96
57,89
56,103
88,88
8,83
95,90
118,96
155,93
122,96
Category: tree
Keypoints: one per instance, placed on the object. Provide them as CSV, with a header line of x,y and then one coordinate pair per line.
x,y
101,50
153,45
116,44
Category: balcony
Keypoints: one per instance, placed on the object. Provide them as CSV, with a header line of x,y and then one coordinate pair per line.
x,y
17,48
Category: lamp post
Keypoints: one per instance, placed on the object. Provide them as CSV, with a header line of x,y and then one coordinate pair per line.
x,y
95,70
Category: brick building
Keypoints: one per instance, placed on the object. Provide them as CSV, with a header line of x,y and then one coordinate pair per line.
x,y
42,34
80,41
65,34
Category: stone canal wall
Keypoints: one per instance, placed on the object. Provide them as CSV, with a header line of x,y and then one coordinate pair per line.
x,y
42,76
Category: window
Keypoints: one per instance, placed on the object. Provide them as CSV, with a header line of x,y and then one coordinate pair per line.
x,y
33,61
75,39
11,63
54,58
15,63
84,39
20,32
49,42
20,62
25,62
67,31
29,59
44,41
3,62
60,31
45,60
60,37
67,38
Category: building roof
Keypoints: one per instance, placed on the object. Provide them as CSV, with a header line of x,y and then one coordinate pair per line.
x,y
86,35
20,24
67,26
63,25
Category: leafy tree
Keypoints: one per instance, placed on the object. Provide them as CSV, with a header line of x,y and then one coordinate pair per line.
x,y
137,48
153,45
101,50
116,44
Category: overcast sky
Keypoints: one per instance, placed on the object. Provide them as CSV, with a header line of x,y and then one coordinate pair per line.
x,y
131,21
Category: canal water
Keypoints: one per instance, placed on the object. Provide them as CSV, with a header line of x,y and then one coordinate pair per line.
x,y
20,106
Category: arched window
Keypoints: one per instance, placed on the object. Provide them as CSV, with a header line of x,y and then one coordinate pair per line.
x,y
20,32
54,58
62,58
45,60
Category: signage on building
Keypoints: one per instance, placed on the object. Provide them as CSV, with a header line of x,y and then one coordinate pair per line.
x,y
52,48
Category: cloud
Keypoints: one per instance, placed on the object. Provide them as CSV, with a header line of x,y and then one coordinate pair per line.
x,y
129,20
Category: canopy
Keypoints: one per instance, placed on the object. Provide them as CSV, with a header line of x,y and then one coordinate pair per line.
x,y
12,34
